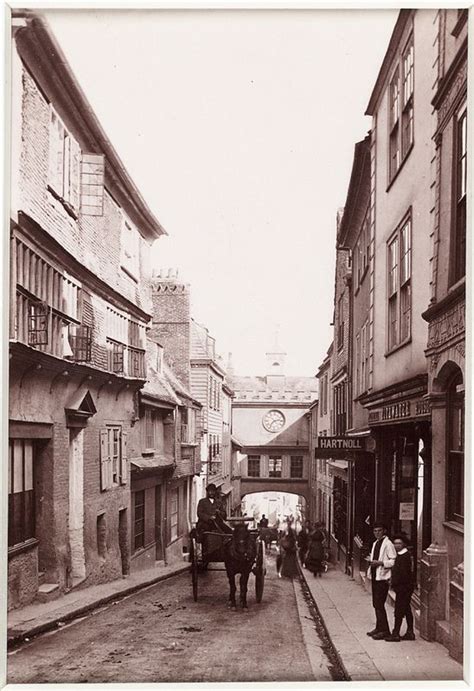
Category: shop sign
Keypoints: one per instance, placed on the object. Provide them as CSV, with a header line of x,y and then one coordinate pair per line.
x,y
337,447
400,411
407,511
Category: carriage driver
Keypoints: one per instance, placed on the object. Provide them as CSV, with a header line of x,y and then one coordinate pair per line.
x,y
211,513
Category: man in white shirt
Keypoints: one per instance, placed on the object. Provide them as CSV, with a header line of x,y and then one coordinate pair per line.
x,y
381,560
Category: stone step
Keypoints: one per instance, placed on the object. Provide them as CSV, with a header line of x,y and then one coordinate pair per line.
x,y
48,592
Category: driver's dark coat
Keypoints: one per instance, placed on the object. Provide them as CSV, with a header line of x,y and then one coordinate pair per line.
x,y
206,509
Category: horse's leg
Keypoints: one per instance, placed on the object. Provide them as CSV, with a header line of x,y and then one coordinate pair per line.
x,y
231,577
244,579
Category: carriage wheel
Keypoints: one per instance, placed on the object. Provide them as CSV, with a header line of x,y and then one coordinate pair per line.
x,y
260,570
194,567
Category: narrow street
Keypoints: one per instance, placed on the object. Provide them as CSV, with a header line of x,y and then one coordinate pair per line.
x,y
160,634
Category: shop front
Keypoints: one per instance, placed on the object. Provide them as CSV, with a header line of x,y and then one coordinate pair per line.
x,y
400,422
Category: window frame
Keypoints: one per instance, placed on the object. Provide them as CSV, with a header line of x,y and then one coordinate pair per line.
x,y
405,109
458,253
140,521
297,463
399,286
277,462
254,458
174,514
455,458
24,502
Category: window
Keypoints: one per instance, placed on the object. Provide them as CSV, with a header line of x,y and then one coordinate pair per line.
x,y
340,322
399,286
460,188
21,495
401,131
274,466
174,514
455,450
130,249
139,520
150,427
340,408
296,466
125,344
253,466
38,323
113,457
80,340
64,162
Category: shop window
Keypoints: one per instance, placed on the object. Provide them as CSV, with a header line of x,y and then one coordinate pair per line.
x,y
455,450
274,466
139,520
399,286
296,466
174,502
253,466
459,199
21,495
113,457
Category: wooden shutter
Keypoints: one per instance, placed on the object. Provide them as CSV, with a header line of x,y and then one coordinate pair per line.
x,y
124,460
75,174
92,184
105,461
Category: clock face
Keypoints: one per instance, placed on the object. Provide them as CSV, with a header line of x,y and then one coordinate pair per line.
x,y
273,421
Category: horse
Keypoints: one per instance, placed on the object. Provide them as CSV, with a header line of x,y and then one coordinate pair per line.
x,y
239,557
269,535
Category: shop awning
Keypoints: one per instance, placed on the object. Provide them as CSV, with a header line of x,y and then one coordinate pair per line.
x,y
338,468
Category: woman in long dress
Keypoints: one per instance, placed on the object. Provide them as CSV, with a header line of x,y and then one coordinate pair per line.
x,y
287,563
315,557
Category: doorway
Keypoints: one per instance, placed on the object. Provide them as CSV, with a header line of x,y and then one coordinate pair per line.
x,y
76,505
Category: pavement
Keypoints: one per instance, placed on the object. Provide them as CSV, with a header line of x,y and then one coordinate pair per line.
x,y
29,621
346,609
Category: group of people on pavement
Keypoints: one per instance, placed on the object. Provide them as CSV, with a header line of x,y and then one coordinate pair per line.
x,y
390,564
313,548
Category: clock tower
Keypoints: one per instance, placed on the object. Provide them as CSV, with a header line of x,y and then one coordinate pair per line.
x,y
275,374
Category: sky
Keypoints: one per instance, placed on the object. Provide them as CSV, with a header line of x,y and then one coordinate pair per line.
x,y
238,127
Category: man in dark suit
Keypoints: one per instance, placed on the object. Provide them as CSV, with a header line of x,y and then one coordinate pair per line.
x,y
211,513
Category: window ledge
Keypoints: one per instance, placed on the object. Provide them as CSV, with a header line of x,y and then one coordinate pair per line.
x,y
397,173
397,347
68,208
148,452
455,526
22,547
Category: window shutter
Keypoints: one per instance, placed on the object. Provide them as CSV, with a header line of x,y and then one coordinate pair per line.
x,y
105,464
75,174
56,153
92,184
123,460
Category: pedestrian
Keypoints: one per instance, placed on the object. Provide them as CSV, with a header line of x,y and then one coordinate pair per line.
x,y
287,564
381,561
263,523
403,584
315,557
303,541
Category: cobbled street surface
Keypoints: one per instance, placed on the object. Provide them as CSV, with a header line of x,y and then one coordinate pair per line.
x,y
161,634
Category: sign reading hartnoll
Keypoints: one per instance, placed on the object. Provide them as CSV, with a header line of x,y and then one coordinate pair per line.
x,y
335,447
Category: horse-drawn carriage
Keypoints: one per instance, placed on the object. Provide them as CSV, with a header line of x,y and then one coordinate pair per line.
x,y
242,551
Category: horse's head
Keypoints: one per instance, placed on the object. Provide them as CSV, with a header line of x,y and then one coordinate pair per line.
x,y
243,544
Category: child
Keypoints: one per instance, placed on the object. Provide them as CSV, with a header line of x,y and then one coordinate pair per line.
x,y
403,585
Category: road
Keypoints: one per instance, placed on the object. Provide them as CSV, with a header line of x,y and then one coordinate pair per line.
x,y
161,635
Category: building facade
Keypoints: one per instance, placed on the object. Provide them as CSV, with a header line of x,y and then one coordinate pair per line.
x,y
80,240
442,594
270,418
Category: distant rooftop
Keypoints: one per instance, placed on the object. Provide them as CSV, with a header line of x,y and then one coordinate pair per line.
x,y
275,389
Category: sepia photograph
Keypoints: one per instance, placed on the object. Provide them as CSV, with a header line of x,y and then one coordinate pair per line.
x,y
236,345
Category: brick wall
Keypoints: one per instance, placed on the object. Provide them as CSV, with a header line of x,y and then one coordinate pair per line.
x,y
171,323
